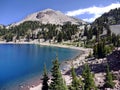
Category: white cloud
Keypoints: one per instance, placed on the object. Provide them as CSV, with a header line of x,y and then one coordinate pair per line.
x,y
92,18
95,11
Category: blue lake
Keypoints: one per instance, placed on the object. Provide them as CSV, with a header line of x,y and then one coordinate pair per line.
x,y
19,61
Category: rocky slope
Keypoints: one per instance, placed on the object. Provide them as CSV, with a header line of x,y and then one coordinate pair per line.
x,y
115,29
111,18
52,17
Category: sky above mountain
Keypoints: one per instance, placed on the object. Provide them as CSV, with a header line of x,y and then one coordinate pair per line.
x,y
16,10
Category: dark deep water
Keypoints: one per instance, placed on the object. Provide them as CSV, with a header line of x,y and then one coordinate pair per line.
x,y
22,60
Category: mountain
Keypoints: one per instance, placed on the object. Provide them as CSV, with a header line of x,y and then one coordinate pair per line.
x,y
50,16
111,18
48,25
2,26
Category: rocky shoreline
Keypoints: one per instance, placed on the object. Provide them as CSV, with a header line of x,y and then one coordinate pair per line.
x,y
77,61
98,67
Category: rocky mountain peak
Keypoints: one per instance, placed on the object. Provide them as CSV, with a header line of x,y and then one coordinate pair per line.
x,y
52,17
45,12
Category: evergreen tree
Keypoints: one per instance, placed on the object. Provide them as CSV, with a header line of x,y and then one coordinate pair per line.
x,y
85,31
57,81
76,82
45,79
28,37
60,37
99,50
95,51
109,81
89,83
118,41
90,34
8,37
108,30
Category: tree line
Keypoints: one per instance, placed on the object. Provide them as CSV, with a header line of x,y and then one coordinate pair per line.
x,y
35,30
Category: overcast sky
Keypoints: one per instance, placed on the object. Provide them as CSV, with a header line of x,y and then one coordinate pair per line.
x,y
16,10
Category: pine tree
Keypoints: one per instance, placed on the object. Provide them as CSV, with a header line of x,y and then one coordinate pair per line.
x,y
90,34
99,50
89,83
95,51
109,81
60,37
108,30
57,81
85,31
76,82
45,79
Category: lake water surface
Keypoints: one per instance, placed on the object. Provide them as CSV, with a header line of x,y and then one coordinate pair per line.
x,y
22,60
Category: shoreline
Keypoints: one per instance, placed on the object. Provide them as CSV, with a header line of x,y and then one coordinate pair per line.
x,y
45,44
76,61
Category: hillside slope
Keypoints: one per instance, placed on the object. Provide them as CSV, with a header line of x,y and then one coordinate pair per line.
x,y
50,16
115,29
111,18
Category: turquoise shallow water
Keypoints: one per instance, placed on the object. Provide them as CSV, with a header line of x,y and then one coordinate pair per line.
x,y
19,61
